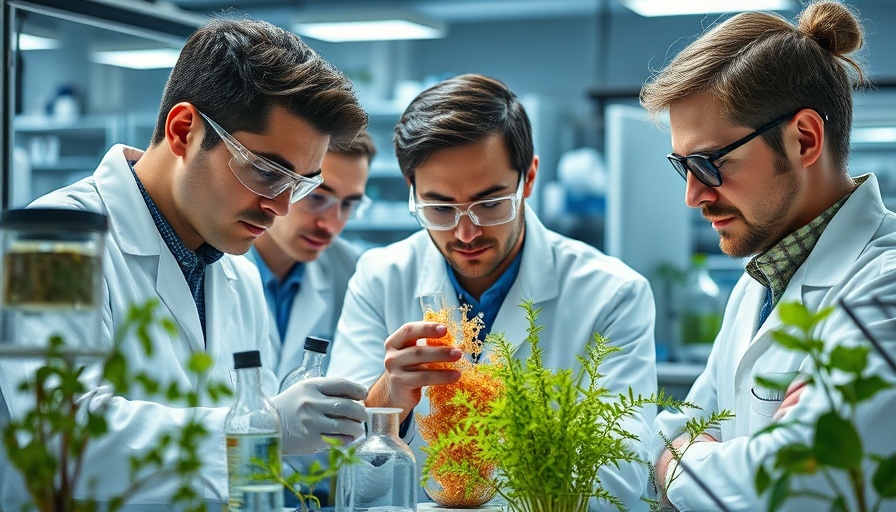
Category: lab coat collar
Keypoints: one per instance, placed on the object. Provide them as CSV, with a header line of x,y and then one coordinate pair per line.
x,y
845,236
535,280
130,225
118,190
840,245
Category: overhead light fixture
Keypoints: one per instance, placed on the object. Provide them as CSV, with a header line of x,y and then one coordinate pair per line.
x,y
155,58
651,8
873,135
32,42
374,26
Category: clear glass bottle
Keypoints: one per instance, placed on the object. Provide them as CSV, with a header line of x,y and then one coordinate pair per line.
x,y
252,430
702,307
385,479
315,351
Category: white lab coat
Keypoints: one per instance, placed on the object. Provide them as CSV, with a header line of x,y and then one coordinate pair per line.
x,y
579,290
138,266
317,305
854,259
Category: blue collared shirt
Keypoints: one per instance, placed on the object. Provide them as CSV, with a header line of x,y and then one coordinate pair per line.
x,y
280,295
489,304
192,264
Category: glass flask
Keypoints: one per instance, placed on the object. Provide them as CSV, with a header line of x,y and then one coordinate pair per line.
x,y
252,431
315,351
702,308
51,278
385,478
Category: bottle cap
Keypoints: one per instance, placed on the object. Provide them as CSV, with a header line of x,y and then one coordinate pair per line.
x,y
316,344
250,359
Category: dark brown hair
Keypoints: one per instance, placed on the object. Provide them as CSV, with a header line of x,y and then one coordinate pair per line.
x,y
235,71
362,146
459,112
760,66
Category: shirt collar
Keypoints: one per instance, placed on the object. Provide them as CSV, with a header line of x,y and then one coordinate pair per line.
x,y
271,281
495,294
205,254
776,267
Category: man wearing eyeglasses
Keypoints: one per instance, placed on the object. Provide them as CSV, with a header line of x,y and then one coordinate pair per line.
x,y
465,147
245,120
760,112
305,266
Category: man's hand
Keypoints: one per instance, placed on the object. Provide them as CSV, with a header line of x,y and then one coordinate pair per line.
x,y
791,397
665,458
319,407
406,372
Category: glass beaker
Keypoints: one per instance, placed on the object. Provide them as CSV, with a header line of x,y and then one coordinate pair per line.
x,y
51,280
385,478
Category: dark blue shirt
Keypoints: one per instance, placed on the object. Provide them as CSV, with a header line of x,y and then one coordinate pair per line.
x,y
489,304
280,295
192,264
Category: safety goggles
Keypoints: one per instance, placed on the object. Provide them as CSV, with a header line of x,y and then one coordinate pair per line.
x,y
318,203
702,165
487,212
261,175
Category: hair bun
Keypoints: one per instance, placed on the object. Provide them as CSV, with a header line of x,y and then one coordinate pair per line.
x,y
833,26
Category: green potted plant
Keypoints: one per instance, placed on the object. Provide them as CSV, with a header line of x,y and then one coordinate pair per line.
x,y
549,431
47,444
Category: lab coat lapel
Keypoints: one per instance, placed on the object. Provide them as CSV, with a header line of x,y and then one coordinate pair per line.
x,y
220,310
536,281
434,279
172,288
306,314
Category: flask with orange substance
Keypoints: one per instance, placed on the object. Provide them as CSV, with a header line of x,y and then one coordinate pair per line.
x,y
447,484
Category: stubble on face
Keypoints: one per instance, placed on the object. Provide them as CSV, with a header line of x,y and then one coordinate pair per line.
x,y
760,234
479,269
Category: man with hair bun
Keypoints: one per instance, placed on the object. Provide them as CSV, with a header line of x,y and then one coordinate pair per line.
x,y
760,113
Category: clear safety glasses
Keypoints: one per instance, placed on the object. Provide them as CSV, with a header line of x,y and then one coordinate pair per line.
x,y
261,175
318,203
702,165
487,212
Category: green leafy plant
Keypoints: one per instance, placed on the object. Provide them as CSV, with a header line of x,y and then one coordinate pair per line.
x,y
837,446
47,444
549,432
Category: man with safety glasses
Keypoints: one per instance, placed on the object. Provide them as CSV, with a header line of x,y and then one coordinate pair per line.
x,y
245,120
305,266
780,194
465,147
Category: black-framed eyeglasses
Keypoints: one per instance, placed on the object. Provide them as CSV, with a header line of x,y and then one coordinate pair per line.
x,y
702,165
261,175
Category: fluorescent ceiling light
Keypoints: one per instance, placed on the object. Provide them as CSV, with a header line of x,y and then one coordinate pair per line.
x,y
678,7
870,135
371,30
31,42
157,58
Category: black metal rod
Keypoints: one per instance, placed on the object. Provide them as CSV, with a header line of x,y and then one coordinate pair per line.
x,y
867,332
709,492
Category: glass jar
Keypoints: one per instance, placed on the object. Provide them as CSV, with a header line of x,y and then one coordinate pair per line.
x,y
51,277
385,478
702,307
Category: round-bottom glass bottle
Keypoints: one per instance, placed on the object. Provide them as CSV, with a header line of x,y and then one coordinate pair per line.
x,y
385,478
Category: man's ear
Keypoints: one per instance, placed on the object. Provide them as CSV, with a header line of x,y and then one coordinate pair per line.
x,y
529,176
182,126
810,136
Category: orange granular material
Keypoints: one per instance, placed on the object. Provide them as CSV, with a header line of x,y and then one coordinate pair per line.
x,y
482,389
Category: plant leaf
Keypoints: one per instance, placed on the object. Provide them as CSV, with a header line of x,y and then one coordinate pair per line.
x,y
849,359
790,342
884,479
763,480
837,442
867,387
796,314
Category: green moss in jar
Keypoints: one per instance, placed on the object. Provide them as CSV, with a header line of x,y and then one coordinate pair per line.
x,y
39,277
